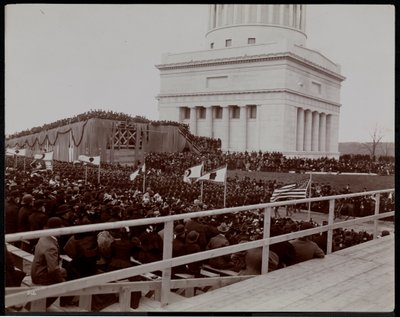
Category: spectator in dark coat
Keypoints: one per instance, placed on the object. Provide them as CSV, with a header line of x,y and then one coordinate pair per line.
x,y
11,213
178,247
23,219
192,246
254,262
206,232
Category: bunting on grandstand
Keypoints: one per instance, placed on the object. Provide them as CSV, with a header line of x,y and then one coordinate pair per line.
x,y
89,159
141,169
17,152
292,191
218,175
45,156
192,173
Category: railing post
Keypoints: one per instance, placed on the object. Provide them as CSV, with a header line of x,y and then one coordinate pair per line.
x,y
377,203
124,299
331,217
266,233
167,254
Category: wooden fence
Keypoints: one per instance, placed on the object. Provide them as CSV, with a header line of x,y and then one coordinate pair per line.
x,y
101,283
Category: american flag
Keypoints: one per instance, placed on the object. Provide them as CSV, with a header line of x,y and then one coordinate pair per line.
x,y
291,191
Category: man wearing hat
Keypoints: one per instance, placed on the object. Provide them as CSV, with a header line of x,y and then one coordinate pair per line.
x,y
178,247
11,212
305,248
192,246
222,262
46,268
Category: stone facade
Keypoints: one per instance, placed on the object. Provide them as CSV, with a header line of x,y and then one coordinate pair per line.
x,y
256,86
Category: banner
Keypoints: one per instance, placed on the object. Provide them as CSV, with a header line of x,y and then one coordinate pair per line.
x,y
89,159
17,152
192,173
45,156
291,191
218,175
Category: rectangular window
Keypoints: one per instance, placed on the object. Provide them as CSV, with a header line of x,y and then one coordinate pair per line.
x,y
228,42
316,87
202,112
251,40
186,113
235,112
252,112
218,112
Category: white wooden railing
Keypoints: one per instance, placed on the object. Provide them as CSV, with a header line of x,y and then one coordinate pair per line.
x,y
98,283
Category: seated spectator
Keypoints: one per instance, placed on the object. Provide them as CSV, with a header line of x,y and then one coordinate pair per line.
x,y
254,262
46,268
224,261
205,231
178,247
305,248
192,246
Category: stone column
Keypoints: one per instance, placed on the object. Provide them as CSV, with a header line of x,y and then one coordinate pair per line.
x,y
225,139
298,16
315,132
281,13
291,24
209,120
307,130
322,132
334,133
193,120
243,124
300,130
328,132
270,13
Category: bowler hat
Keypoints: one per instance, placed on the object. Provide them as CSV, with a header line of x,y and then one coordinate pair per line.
x,y
179,229
192,236
54,222
27,199
63,209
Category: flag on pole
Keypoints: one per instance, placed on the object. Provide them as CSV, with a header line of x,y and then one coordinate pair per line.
x,y
134,174
90,159
291,191
141,169
17,152
217,175
192,173
45,156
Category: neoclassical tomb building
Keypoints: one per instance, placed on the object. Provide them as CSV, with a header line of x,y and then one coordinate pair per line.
x,y
256,86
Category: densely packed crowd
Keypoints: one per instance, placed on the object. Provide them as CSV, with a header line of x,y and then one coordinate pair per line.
x,y
33,198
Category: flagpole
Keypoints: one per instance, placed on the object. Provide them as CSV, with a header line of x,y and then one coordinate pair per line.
x,y
226,166
309,203
144,177
98,177
24,164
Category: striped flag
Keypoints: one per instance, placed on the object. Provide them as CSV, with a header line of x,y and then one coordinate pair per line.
x,y
292,191
89,159
17,152
45,156
218,175
193,173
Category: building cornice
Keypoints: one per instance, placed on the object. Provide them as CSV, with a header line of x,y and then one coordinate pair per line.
x,y
242,92
251,59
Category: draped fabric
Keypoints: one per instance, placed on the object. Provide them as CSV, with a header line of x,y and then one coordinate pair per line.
x,y
94,137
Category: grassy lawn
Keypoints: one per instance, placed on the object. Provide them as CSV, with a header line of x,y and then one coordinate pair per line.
x,y
356,182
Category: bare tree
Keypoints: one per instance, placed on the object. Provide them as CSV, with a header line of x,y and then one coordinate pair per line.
x,y
376,138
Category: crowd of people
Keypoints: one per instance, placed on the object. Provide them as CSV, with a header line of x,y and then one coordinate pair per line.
x,y
65,197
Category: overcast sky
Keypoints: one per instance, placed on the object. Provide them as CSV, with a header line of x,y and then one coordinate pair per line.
x,y
62,60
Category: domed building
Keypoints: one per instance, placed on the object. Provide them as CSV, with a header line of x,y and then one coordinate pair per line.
x,y
256,86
